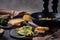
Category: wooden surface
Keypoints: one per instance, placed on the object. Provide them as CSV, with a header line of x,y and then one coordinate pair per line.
x,y
49,37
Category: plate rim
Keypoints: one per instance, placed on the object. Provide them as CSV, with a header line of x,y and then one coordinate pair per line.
x,y
17,37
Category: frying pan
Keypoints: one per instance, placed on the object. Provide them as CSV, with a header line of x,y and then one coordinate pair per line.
x,y
48,23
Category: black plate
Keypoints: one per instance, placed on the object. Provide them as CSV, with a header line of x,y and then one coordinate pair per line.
x,y
4,26
14,34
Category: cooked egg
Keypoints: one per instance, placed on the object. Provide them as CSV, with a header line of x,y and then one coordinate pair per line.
x,y
26,17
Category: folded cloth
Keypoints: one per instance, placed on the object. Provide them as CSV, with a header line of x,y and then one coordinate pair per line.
x,y
4,12
11,13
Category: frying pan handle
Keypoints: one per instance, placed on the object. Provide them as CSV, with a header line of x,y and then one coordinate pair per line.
x,y
32,24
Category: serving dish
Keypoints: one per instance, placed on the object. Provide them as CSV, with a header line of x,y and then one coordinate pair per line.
x,y
1,32
14,34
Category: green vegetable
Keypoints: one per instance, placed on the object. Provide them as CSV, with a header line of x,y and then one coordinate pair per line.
x,y
4,20
25,31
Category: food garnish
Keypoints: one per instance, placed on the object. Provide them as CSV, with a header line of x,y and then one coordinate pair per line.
x,y
25,31
26,17
3,21
47,18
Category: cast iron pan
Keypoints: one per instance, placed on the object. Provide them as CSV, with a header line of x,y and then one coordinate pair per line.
x,y
47,23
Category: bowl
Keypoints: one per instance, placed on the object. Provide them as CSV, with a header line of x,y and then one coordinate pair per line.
x,y
1,32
